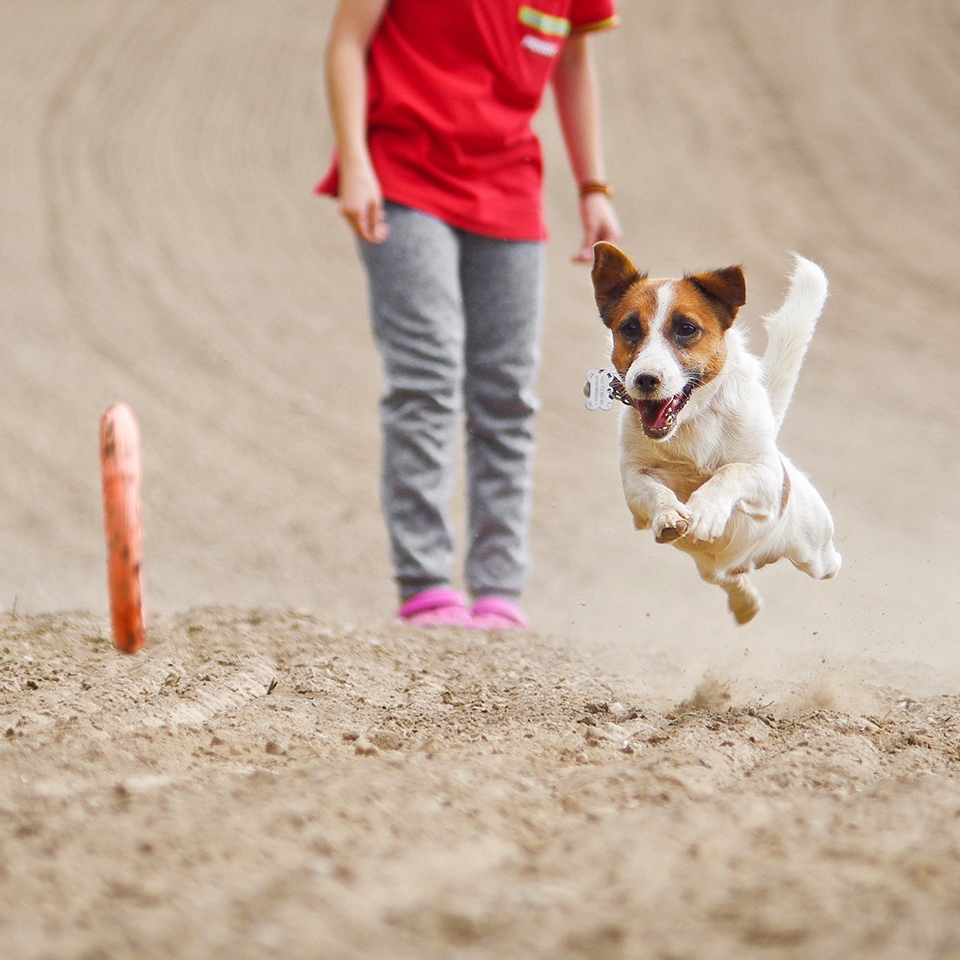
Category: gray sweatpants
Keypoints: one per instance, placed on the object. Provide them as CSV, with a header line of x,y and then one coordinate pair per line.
x,y
457,319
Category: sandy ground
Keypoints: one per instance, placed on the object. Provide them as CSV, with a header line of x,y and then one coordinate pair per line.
x,y
283,772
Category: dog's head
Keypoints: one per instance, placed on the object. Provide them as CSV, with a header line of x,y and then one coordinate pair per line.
x,y
668,335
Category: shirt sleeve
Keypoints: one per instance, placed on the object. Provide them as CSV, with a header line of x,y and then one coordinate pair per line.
x,y
588,16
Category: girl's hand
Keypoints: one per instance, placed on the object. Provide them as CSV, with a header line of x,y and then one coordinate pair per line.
x,y
599,223
361,202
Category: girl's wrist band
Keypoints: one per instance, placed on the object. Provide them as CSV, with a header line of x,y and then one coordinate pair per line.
x,y
595,186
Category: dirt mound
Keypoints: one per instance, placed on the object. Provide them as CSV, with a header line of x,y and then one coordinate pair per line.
x,y
264,784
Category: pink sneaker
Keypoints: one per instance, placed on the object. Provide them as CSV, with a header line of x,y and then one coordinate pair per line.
x,y
497,613
436,607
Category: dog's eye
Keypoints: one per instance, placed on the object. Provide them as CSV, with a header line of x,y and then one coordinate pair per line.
x,y
685,329
631,330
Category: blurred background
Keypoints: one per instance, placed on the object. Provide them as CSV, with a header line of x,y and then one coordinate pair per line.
x,y
160,244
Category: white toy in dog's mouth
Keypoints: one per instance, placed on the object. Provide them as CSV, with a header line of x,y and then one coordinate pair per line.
x,y
659,417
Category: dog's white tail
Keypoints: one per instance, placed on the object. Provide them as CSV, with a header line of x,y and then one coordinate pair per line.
x,y
789,330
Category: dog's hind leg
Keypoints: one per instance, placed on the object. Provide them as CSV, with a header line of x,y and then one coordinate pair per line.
x,y
821,562
810,547
742,597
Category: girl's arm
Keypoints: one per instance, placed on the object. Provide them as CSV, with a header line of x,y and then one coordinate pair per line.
x,y
361,201
577,101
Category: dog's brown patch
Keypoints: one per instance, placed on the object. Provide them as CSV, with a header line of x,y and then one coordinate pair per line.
x,y
629,321
704,351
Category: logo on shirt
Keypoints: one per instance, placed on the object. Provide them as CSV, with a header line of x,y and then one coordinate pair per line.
x,y
546,24
546,48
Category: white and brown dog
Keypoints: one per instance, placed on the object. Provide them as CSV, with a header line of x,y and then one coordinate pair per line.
x,y
698,441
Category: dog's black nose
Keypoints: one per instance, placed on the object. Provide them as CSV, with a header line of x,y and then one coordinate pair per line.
x,y
646,382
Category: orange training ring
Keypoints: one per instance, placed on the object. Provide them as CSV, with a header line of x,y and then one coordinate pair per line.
x,y
120,470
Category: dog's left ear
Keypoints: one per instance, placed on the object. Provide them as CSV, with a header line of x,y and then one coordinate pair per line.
x,y
727,285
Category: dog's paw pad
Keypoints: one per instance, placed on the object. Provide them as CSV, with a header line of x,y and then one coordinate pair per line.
x,y
670,527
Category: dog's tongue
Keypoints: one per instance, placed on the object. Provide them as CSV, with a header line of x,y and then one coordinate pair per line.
x,y
655,413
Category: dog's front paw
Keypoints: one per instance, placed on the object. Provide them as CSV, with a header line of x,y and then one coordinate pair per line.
x,y
670,525
708,520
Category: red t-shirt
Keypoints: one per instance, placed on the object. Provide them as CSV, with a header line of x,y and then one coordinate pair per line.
x,y
453,86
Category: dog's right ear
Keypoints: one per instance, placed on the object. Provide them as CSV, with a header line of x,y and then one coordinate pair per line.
x,y
613,274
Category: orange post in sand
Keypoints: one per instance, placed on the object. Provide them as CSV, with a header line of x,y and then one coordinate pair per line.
x,y
120,470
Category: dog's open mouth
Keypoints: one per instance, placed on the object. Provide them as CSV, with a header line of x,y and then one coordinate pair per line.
x,y
659,417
